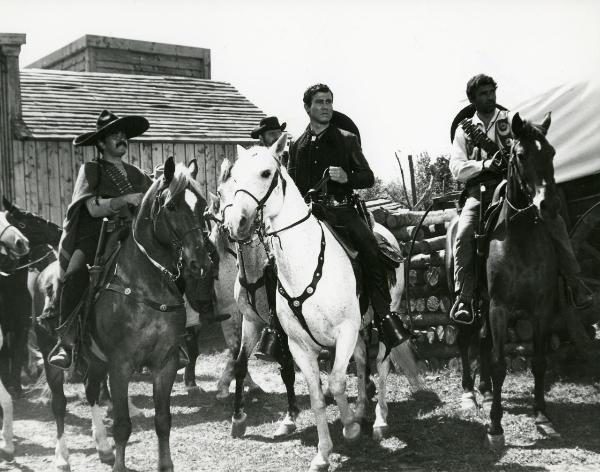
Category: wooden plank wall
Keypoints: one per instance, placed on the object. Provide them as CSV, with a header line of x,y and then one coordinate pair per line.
x,y
45,171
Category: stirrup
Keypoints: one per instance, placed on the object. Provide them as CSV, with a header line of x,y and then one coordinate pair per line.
x,y
53,358
454,313
589,300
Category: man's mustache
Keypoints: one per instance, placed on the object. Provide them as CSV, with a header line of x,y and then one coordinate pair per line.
x,y
123,142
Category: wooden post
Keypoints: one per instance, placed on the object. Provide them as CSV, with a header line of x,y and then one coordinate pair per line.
x,y
411,169
10,107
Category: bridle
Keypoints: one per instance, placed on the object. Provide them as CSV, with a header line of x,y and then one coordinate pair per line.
x,y
12,254
513,170
175,242
260,204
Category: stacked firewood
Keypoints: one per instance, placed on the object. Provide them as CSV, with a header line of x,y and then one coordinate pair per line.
x,y
429,296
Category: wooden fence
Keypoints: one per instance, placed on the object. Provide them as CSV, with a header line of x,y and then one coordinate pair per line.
x,y
44,172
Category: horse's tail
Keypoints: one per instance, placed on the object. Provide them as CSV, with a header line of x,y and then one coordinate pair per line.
x,y
404,360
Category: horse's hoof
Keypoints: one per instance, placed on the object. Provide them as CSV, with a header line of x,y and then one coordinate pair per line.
x,y
284,429
468,402
6,456
494,442
238,427
317,465
380,432
222,394
63,468
351,432
547,429
107,457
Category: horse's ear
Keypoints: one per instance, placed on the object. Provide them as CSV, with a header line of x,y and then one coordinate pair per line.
x,y
279,146
545,126
226,166
8,206
517,124
169,170
193,168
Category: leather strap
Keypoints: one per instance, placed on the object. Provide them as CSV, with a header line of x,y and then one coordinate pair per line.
x,y
295,303
128,292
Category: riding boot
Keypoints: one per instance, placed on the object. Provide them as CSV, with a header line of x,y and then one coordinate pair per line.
x,y
391,329
202,290
462,310
70,293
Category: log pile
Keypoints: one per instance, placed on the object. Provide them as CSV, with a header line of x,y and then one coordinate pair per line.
x,y
429,296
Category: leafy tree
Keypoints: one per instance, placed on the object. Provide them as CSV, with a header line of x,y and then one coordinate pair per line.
x,y
433,177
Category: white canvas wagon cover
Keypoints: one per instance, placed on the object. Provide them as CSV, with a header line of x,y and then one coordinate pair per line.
x,y
575,129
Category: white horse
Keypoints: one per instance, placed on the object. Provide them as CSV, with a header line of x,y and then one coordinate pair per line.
x,y
316,298
249,291
13,245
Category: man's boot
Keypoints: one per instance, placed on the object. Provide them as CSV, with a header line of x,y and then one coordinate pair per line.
x,y
391,329
269,345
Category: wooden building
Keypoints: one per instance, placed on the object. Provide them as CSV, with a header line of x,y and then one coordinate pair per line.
x,y
42,110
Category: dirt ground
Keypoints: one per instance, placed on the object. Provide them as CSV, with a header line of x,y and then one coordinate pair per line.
x,y
427,430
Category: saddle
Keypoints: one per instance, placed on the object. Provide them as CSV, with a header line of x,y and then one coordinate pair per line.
x,y
389,256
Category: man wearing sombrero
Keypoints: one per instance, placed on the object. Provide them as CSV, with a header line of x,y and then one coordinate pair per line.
x,y
105,187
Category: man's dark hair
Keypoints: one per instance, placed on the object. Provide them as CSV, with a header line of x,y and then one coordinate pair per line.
x,y
313,90
478,81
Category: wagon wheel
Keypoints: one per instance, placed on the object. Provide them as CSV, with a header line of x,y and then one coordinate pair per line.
x,y
585,236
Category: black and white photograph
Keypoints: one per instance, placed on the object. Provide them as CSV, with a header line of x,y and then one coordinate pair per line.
x,y
300,235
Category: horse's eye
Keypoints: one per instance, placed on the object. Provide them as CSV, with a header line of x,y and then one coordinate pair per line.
x,y
265,174
22,225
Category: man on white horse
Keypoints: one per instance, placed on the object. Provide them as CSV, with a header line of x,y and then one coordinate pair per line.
x,y
324,149
473,165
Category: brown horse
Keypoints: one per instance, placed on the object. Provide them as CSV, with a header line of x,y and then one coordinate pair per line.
x,y
521,274
138,317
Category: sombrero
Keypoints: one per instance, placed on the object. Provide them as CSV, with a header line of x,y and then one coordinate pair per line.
x,y
109,123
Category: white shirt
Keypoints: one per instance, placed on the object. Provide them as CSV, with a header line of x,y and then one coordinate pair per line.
x,y
462,161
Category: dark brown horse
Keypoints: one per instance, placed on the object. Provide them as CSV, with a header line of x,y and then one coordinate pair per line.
x,y
521,274
15,302
138,317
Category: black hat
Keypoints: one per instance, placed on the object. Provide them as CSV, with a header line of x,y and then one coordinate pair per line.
x,y
267,124
109,122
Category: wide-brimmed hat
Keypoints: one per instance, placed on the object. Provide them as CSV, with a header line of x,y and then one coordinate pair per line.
x,y
109,123
344,122
267,124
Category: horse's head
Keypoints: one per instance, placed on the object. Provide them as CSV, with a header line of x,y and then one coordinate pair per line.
x,y
13,244
177,209
532,161
37,229
258,188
